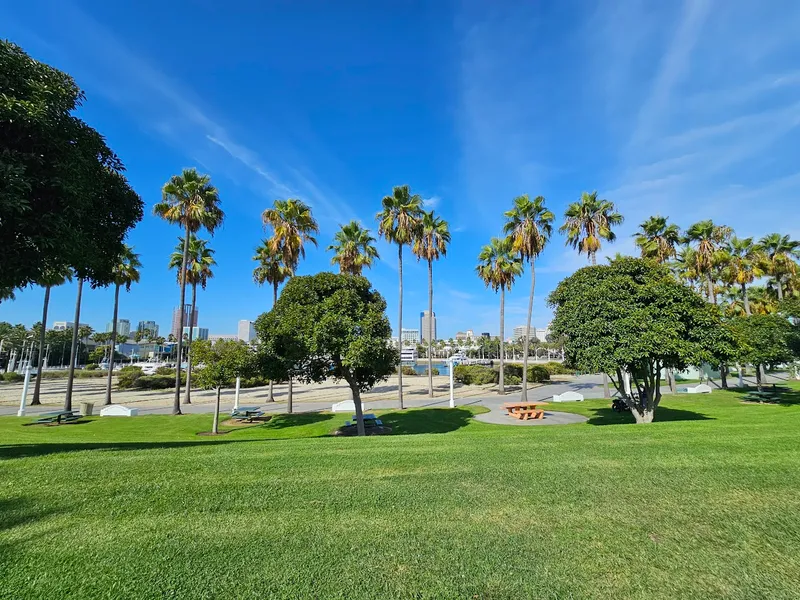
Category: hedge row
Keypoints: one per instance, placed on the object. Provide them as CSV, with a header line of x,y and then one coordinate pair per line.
x,y
512,374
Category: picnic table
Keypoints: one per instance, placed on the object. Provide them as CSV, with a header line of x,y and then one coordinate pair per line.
x,y
246,413
524,410
59,417
370,420
773,393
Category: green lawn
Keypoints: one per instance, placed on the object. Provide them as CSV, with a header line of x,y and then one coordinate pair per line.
x,y
704,503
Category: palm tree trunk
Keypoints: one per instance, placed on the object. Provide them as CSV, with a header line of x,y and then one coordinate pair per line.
x,y
712,296
430,328
780,288
400,326
215,425
526,342
501,390
593,256
274,302
746,300
113,345
187,394
73,357
176,402
40,360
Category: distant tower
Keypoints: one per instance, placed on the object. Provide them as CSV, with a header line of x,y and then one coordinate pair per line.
x,y
188,321
427,326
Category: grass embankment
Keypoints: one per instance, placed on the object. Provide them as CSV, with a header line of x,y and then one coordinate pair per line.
x,y
704,503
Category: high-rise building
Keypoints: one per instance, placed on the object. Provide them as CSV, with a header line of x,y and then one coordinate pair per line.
x,y
189,320
198,333
536,333
227,337
246,331
427,326
64,325
123,327
148,328
410,337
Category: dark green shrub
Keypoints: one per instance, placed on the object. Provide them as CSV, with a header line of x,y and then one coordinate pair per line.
x,y
475,374
154,382
128,376
252,382
408,370
12,377
84,374
556,368
165,371
91,367
536,373
434,370
512,380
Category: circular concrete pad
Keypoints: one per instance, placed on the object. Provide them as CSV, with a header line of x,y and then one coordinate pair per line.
x,y
498,416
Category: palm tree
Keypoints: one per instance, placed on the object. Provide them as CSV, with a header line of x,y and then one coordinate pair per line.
x,y
529,224
293,225
588,221
270,268
353,249
658,239
126,272
708,238
499,266
780,252
191,201
398,222
73,355
198,271
50,279
741,266
430,244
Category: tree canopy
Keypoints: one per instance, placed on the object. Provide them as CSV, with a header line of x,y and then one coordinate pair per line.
x,y
64,201
632,316
328,326
767,340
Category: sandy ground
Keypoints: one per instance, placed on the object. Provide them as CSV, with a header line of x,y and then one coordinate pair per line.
x,y
93,390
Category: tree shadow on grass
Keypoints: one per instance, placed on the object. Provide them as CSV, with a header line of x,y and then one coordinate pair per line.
x,y
426,420
790,398
606,416
285,420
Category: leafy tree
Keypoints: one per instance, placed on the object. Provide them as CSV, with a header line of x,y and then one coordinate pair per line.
x,y
657,239
353,249
708,240
328,326
530,225
766,341
632,316
430,244
398,223
198,271
192,202
126,273
63,199
49,280
499,267
221,363
780,253
589,221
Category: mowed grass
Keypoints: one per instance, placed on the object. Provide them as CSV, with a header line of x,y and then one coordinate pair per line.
x,y
703,503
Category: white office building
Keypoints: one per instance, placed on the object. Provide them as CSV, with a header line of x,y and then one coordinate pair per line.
x,y
123,327
214,337
64,325
539,333
409,354
198,333
427,325
410,337
246,331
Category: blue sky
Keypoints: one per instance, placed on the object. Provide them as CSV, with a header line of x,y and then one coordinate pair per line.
x,y
689,109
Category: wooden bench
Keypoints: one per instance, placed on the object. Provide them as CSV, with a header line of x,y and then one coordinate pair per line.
x,y
524,410
527,414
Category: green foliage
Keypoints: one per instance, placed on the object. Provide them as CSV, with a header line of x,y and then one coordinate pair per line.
x,y
536,373
327,326
155,382
165,371
408,370
632,315
765,339
253,382
63,192
434,370
557,368
128,376
13,377
475,374
91,367
220,363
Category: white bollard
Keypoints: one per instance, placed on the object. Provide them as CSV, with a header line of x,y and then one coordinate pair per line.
x,y
21,411
236,398
452,397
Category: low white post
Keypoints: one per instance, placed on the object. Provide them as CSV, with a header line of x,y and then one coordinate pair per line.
x,y
452,397
236,397
626,377
741,378
21,411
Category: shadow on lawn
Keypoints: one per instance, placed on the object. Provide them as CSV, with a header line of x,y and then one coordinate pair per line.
x,y
283,421
790,398
426,420
12,451
606,416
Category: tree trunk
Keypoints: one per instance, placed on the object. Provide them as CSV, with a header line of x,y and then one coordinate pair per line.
x,y
712,296
73,357
400,326
215,426
780,288
430,328
501,390
359,410
40,359
746,300
527,341
759,380
606,391
642,415
176,402
593,257
289,397
723,375
187,398
274,302
113,345
672,386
